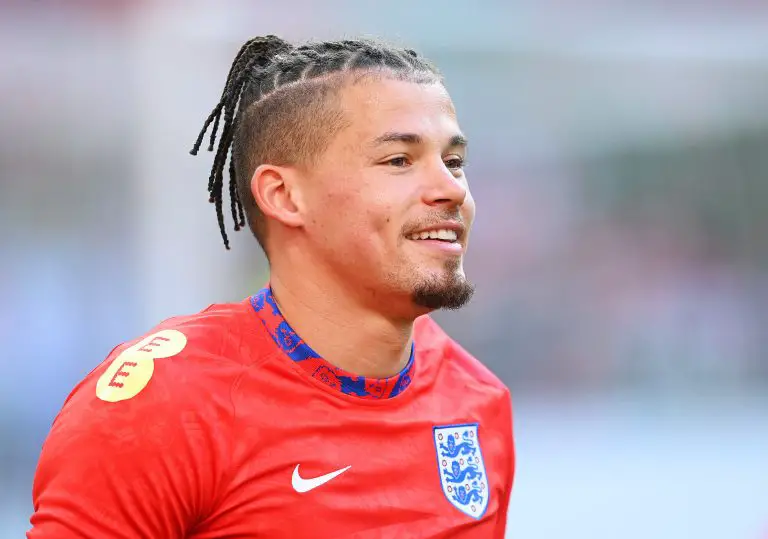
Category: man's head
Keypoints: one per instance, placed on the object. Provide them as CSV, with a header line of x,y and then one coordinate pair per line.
x,y
346,157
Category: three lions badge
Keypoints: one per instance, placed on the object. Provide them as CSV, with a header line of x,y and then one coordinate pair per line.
x,y
461,467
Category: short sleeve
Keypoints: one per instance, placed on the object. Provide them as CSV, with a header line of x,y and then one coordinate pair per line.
x,y
139,448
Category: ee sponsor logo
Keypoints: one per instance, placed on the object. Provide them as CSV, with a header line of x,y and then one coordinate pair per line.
x,y
132,369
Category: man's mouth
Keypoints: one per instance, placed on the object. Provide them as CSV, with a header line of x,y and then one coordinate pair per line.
x,y
441,234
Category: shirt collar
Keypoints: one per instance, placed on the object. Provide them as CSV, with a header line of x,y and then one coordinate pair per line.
x,y
302,354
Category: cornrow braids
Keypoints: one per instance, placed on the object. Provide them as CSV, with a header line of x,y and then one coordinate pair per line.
x,y
254,53
274,110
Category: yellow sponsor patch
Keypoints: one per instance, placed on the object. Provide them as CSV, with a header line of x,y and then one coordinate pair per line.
x,y
132,369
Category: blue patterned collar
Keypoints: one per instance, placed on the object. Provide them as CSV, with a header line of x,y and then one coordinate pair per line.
x,y
300,352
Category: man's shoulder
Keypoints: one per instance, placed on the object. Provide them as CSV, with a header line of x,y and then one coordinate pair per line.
x,y
225,332
217,330
157,407
437,345
181,359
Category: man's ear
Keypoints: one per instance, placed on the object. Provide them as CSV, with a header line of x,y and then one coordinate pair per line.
x,y
278,194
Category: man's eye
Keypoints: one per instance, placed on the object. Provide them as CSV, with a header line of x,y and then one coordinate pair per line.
x,y
455,163
398,161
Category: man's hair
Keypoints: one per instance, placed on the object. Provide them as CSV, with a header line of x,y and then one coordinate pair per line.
x,y
277,109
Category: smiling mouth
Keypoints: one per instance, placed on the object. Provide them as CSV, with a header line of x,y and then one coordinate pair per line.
x,y
442,234
440,241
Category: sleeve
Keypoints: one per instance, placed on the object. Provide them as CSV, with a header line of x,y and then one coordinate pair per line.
x,y
137,450
506,418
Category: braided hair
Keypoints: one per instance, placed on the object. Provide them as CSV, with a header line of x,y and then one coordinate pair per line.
x,y
274,109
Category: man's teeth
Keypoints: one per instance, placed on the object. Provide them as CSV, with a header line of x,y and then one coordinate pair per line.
x,y
442,234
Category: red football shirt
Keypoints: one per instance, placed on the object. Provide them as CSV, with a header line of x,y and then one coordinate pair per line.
x,y
225,424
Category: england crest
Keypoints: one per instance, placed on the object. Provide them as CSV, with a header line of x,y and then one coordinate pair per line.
x,y
461,467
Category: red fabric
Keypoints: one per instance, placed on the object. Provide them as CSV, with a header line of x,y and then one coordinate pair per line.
x,y
208,445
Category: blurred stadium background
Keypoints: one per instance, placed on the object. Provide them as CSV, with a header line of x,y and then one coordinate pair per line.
x,y
619,157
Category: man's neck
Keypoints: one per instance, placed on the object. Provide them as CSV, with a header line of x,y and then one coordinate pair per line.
x,y
345,333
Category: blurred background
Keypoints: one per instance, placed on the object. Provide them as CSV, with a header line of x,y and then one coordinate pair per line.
x,y
619,160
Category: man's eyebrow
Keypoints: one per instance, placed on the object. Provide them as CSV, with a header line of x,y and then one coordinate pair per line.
x,y
458,140
394,136
414,138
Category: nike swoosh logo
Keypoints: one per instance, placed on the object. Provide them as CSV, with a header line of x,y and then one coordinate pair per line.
x,y
305,485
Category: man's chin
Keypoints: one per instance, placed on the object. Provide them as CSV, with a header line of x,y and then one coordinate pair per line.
x,y
437,294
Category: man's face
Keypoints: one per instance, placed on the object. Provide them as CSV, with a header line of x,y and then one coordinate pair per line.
x,y
388,206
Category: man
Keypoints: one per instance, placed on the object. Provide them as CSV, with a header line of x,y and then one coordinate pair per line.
x,y
328,404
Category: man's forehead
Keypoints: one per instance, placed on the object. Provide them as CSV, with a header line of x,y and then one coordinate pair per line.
x,y
386,95
383,107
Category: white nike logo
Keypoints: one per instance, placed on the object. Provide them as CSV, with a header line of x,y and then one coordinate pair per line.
x,y
305,485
